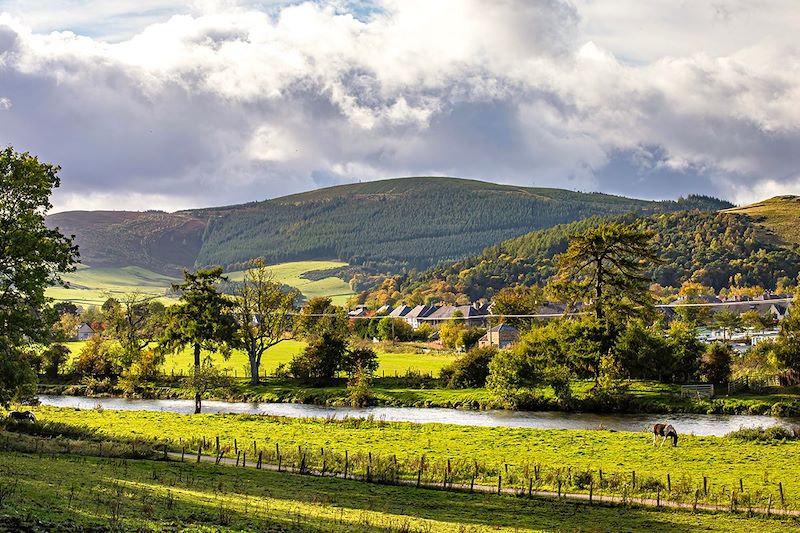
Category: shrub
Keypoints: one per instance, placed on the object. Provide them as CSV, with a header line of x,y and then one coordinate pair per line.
x,y
98,358
53,358
320,360
359,393
470,370
360,359
715,364
770,434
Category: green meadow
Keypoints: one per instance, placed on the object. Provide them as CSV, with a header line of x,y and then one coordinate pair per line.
x,y
93,286
714,466
70,493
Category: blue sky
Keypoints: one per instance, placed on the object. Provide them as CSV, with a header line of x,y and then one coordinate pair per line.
x,y
164,104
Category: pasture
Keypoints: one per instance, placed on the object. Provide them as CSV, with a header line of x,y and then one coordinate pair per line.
x,y
712,466
93,286
391,363
159,495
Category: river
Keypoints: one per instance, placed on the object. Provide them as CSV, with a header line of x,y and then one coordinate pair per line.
x,y
685,423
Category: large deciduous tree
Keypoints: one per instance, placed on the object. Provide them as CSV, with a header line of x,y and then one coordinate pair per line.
x,y
203,320
264,311
31,258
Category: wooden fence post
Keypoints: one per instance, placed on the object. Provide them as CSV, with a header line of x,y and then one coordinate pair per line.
x,y
658,496
235,447
165,451
696,497
669,484
769,504
258,465
499,483
198,454
419,470
279,462
238,454
741,485
633,479
244,459
217,444
780,488
559,488
591,491
346,463
183,452
705,486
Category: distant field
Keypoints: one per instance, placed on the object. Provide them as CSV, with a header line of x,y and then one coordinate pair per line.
x,y
93,286
390,363
290,274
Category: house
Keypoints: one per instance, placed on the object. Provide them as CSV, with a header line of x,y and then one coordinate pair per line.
x,y
416,316
501,336
84,332
474,315
358,312
400,312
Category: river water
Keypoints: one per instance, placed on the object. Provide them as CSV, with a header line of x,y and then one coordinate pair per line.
x,y
685,423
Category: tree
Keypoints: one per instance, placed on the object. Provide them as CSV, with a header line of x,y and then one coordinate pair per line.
x,y
728,321
716,362
471,369
53,358
63,308
394,329
788,345
264,312
605,265
320,360
136,321
359,359
31,258
98,358
202,320
518,300
320,316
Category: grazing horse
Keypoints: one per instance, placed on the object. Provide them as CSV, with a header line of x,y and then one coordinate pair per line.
x,y
665,431
22,415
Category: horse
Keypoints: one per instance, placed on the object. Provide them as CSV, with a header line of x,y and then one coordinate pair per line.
x,y
665,431
22,416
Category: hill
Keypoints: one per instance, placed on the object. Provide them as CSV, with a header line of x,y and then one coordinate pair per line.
x,y
779,215
397,224
161,242
716,249
389,225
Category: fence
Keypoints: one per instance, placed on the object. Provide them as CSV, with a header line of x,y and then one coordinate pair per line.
x,y
526,477
698,391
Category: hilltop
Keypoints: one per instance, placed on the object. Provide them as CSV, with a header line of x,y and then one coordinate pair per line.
x,y
387,225
780,215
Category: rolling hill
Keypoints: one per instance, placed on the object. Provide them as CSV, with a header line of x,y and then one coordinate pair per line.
x,y
716,249
388,225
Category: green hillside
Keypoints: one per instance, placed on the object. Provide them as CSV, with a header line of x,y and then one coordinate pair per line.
x,y
388,225
780,215
707,247
394,224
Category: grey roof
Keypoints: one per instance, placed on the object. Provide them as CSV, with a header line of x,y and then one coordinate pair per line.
x,y
504,328
384,309
401,311
419,311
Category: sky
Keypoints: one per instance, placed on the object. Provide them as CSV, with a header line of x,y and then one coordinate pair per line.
x,y
158,104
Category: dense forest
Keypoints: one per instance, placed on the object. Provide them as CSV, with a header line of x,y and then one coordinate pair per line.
x,y
410,223
715,249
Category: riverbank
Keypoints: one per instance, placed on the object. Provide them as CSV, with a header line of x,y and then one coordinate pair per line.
x,y
640,397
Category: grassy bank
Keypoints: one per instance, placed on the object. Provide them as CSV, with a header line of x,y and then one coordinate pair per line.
x,y
714,465
107,494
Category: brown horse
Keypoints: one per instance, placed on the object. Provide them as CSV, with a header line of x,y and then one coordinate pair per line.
x,y
665,431
22,415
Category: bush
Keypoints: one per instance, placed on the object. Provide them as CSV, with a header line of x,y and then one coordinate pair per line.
x,y
98,358
320,360
770,434
359,393
53,358
360,359
470,370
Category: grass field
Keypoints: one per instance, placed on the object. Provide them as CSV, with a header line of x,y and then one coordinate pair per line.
x,y
390,363
166,496
721,460
93,286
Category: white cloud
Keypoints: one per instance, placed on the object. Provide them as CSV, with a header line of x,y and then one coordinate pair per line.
x,y
223,102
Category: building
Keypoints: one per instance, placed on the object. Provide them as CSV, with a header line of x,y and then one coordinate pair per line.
x,y
400,312
502,336
474,315
84,332
416,316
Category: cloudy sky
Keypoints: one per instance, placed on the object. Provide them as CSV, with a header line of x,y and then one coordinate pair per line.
x,y
164,104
